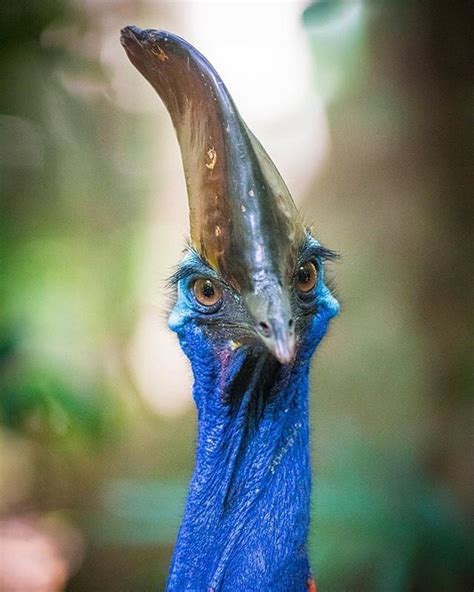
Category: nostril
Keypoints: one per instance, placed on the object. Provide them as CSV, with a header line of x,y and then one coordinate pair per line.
x,y
291,323
265,328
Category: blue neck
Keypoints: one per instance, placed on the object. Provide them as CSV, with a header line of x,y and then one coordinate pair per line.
x,y
246,520
247,514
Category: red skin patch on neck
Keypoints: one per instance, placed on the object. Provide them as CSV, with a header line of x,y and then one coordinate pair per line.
x,y
312,585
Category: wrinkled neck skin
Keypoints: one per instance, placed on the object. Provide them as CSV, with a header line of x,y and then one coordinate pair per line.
x,y
246,519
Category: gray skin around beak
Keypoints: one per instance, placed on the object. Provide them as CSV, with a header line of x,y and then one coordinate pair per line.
x,y
243,220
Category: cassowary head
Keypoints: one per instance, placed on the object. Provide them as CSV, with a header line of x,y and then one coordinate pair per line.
x,y
252,275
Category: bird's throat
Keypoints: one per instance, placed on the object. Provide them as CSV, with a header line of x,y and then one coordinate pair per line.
x,y
246,519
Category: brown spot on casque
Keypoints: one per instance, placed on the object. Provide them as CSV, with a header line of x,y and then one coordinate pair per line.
x,y
211,156
160,54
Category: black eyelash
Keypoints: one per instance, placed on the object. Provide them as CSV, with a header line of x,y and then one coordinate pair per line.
x,y
183,271
326,254
311,251
188,268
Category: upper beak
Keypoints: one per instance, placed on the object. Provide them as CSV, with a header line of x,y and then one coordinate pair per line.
x,y
271,313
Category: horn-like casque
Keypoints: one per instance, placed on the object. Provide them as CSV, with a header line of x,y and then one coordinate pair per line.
x,y
243,220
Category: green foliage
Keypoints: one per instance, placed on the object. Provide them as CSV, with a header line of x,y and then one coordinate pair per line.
x,y
71,217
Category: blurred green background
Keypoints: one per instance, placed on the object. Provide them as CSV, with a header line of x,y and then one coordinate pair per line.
x,y
96,422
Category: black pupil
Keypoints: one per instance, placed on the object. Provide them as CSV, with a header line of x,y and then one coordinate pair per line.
x,y
304,274
207,289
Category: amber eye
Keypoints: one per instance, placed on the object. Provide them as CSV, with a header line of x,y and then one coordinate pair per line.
x,y
206,292
306,277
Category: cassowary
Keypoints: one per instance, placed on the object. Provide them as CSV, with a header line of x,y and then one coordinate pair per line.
x,y
251,304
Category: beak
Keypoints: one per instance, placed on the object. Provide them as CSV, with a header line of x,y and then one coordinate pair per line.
x,y
272,317
282,344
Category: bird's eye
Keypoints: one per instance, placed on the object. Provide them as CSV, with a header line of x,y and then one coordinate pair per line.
x,y
206,292
306,277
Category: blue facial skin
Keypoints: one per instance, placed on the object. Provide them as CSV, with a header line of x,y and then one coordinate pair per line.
x,y
247,514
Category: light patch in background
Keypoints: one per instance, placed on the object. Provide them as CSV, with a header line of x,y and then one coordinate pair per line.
x,y
265,62
38,554
162,380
